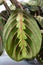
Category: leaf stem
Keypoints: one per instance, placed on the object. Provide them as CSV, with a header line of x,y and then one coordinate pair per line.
x,y
17,4
7,7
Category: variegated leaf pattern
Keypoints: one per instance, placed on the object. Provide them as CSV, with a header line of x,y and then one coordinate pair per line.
x,y
22,36
33,4
40,55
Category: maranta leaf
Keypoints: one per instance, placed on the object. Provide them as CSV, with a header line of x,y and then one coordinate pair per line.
x,y
40,20
34,2
40,55
1,36
22,36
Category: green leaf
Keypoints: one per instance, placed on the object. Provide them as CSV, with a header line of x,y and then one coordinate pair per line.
x,y
30,7
1,36
12,7
40,20
1,23
22,36
40,55
34,2
1,43
31,2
